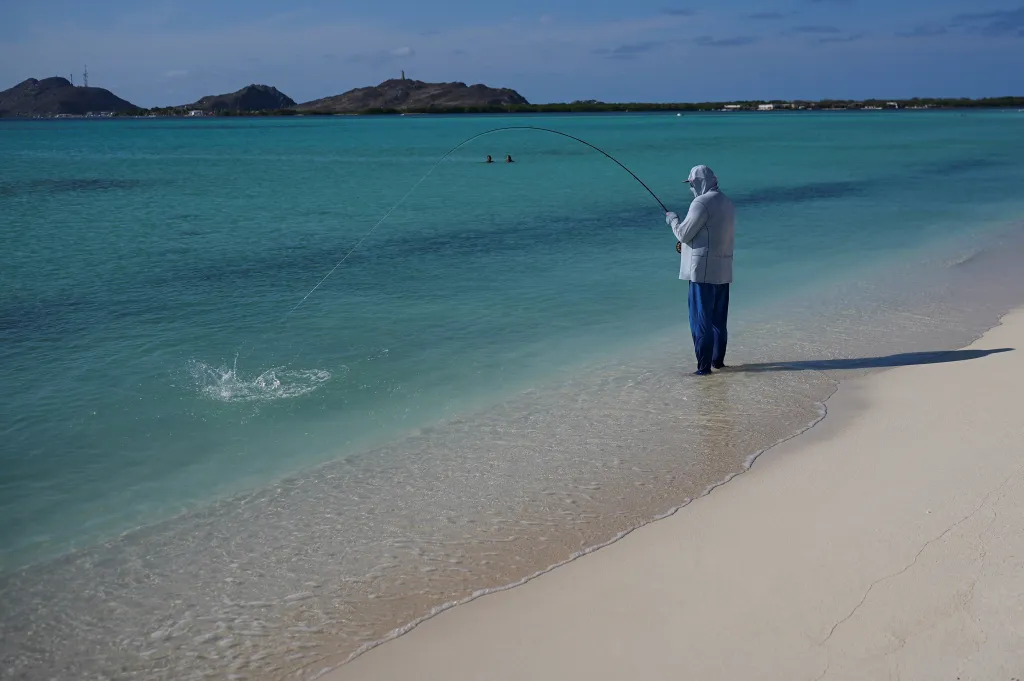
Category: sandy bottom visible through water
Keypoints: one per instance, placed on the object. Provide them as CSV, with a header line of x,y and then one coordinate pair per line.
x,y
291,579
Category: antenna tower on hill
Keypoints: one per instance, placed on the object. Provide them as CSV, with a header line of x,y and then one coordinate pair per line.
x,y
85,76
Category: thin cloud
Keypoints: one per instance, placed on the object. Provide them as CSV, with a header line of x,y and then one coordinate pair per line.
x,y
737,41
381,57
507,53
922,32
841,39
817,29
630,50
998,23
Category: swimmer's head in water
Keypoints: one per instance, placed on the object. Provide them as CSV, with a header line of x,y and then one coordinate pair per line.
x,y
489,159
508,158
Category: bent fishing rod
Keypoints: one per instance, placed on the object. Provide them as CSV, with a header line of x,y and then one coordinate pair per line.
x,y
438,163
441,160
563,134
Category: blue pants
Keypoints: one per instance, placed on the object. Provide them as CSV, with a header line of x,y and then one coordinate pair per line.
x,y
709,312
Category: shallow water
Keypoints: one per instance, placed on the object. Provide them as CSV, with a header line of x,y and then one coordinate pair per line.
x,y
494,381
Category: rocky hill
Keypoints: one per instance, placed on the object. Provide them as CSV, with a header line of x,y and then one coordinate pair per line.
x,y
415,95
249,98
56,96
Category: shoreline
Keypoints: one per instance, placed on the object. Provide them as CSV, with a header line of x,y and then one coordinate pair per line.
x,y
441,609
397,113
747,466
422,645
168,541
313,566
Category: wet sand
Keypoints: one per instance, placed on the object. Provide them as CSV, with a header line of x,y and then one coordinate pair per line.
x,y
886,542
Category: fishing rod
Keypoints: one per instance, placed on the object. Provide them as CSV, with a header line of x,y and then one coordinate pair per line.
x,y
429,173
440,160
563,134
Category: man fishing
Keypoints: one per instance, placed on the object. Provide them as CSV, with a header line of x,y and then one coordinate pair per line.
x,y
705,246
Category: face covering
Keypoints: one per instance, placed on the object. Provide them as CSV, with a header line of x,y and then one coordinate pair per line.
x,y
702,180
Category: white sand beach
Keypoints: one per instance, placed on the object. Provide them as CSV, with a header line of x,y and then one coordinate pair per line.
x,y
887,542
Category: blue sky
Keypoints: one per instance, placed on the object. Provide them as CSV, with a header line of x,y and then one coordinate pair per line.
x,y
174,51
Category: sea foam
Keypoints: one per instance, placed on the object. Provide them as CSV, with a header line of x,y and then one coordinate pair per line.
x,y
228,384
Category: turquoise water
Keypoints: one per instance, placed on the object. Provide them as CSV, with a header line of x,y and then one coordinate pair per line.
x,y
505,351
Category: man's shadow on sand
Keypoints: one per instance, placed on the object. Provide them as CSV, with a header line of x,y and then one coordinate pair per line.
x,y
900,360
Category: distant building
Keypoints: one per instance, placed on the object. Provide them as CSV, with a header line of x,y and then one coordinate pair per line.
x,y
196,112
894,105
732,107
765,107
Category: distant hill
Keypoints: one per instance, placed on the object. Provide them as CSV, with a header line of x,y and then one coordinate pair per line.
x,y
249,98
55,96
415,95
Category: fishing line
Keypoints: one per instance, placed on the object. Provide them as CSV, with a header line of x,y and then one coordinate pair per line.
x,y
563,134
430,172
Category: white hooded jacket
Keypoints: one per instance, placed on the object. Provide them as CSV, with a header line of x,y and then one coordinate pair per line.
x,y
707,233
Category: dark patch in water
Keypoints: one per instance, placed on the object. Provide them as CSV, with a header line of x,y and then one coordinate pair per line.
x,y
962,166
53,318
58,317
390,257
193,126
65,186
804,193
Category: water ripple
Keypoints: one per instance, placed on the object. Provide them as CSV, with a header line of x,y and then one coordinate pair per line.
x,y
227,384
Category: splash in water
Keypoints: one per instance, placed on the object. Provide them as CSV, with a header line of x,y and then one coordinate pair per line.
x,y
226,384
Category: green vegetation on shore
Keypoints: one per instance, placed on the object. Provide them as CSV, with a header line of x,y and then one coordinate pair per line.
x,y
592,106
58,97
